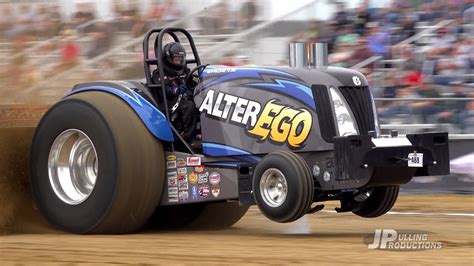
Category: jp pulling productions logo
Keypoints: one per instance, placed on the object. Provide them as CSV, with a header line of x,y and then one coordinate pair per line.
x,y
390,239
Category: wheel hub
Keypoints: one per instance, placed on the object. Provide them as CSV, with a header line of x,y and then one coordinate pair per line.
x,y
73,166
273,187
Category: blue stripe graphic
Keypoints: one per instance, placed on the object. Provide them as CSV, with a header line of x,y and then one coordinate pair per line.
x,y
153,118
214,149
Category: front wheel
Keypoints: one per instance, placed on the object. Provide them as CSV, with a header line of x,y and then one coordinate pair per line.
x,y
379,202
95,168
283,186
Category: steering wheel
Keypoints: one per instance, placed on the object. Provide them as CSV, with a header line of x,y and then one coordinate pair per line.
x,y
194,75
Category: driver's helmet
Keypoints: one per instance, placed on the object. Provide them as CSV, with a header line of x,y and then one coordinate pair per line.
x,y
174,56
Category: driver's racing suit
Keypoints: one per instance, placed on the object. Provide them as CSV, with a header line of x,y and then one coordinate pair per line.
x,y
183,111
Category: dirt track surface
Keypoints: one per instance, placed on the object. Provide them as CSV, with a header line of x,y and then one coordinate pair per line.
x,y
323,237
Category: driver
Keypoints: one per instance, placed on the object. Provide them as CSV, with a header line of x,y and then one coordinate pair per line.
x,y
183,112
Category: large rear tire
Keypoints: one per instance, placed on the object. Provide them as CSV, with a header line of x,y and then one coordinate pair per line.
x,y
94,167
200,216
380,202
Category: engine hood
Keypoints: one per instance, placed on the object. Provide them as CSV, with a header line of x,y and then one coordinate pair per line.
x,y
257,110
330,76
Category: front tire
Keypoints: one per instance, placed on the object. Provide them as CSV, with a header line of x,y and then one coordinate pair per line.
x,y
379,203
93,143
283,186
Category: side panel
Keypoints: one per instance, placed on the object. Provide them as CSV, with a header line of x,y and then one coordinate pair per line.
x,y
153,118
193,179
256,111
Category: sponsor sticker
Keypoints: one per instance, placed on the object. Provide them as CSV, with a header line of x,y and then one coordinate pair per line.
x,y
194,192
183,195
203,178
181,162
183,178
172,191
204,190
173,198
172,174
171,157
193,161
219,70
183,185
214,178
172,181
215,191
170,164
182,171
193,178
199,169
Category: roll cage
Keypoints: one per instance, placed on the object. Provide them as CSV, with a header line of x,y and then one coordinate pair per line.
x,y
158,62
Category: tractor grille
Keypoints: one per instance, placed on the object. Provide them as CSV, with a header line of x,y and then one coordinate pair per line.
x,y
360,102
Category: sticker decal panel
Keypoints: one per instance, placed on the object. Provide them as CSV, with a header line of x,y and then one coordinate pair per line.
x,y
198,183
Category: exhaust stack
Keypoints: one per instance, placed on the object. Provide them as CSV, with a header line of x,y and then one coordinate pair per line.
x,y
318,55
314,55
298,55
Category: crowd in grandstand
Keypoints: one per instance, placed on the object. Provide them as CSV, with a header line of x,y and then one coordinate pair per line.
x,y
441,66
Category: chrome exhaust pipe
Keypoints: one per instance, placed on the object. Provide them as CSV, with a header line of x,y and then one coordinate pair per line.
x,y
314,55
298,55
318,55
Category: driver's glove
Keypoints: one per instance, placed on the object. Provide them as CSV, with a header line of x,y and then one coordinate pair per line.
x,y
182,88
179,90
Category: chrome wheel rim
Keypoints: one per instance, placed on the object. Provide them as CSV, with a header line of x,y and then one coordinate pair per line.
x,y
73,166
273,187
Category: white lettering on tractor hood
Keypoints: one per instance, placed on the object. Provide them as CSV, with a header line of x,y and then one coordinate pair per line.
x,y
244,111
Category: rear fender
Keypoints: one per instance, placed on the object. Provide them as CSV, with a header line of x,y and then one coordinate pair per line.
x,y
153,118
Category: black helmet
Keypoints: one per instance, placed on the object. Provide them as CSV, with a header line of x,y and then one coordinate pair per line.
x,y
174,56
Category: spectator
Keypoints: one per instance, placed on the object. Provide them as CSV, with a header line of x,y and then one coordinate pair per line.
x,y
468,19
426,109
378,40
329,35
347,37
171,11
450,68
248,13
154,15
453,109
101,39
216,20
396,108
443,41
228,60
361,19
429,65
341,15
84,13
466,117
411,62
6,19
361,52
407,27
70,51
309,34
